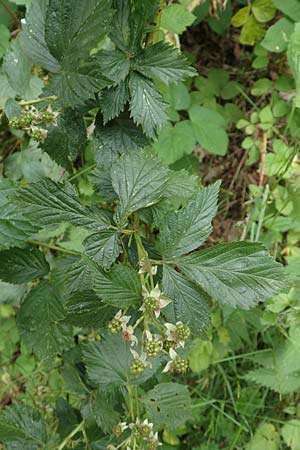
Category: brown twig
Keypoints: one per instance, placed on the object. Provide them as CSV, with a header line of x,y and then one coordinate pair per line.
x,y
263,152
12,14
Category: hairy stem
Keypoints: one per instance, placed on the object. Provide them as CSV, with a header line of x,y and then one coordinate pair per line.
x,y
69,437
52,247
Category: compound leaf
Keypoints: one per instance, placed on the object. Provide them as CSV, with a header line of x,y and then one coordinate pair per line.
x,y
85,309
237,274
22,265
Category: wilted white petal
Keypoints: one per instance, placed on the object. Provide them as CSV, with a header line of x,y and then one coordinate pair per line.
x,y
172,353
168,367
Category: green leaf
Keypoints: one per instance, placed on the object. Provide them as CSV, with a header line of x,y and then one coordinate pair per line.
x,y
113,101
146,105
66,140
189,305
20,424
291,434
266,437
22,265
120,287
209,128
33,36
165,401
103,247
176,18
73,29
237,274
263,10
181,184
290,8
262,87
84,309
100,179
17,67
14,228
113,64
163,62
139,180
293,56
49,203
178,96
186,229
278,35
4,39
42,324
252,32
241,17
108,362
116,138
72,274
174,142
104,413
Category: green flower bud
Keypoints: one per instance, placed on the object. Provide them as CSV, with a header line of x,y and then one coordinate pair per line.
x,y
152,348
115,326
151,304
180,365
182,332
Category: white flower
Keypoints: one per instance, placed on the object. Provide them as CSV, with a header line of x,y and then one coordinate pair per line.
x,y
153,437
128,334
145,266
169,365
154,301
171,334
142,357
122,319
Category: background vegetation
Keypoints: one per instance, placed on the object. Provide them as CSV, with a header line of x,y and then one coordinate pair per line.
x,y
237,120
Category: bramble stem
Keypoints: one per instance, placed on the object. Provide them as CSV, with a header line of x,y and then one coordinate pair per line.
x,y
52,247
130,398
51,98
69,437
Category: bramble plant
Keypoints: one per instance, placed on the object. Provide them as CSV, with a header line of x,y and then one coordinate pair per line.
x,y
117,310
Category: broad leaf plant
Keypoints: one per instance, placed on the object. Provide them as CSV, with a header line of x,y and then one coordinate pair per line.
x,y
118,313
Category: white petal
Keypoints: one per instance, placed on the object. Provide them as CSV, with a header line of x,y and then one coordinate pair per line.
x,y
164,302
168,367
172,353
149,335
134,354
156,293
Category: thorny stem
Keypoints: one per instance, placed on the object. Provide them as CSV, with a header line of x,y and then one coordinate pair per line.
x,y
12,14
69,437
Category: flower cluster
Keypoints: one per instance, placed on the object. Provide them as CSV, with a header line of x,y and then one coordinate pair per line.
x,y
31,120
141,432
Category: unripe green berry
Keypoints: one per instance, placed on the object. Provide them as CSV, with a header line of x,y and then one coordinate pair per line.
x,y
37,135
168,344
26,120
180,364
115,326
151,304
137,367
183,332
47,117
14,122
152,348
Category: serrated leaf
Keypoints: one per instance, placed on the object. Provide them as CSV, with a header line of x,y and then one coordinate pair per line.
x,y
164,402
17,67
104,413
176,18
209,128
108,362
33,36
163,62
293,56
175,142
181,184
73,28
20,424
85,309
186,229
116,138
120,287
14,228
291,433
139,180
265,437
66,140
22,265
50,203
252,32
113,101
103,247
189,305
72,274
100,179
42,324
4,39
237,274
113,64
147,106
